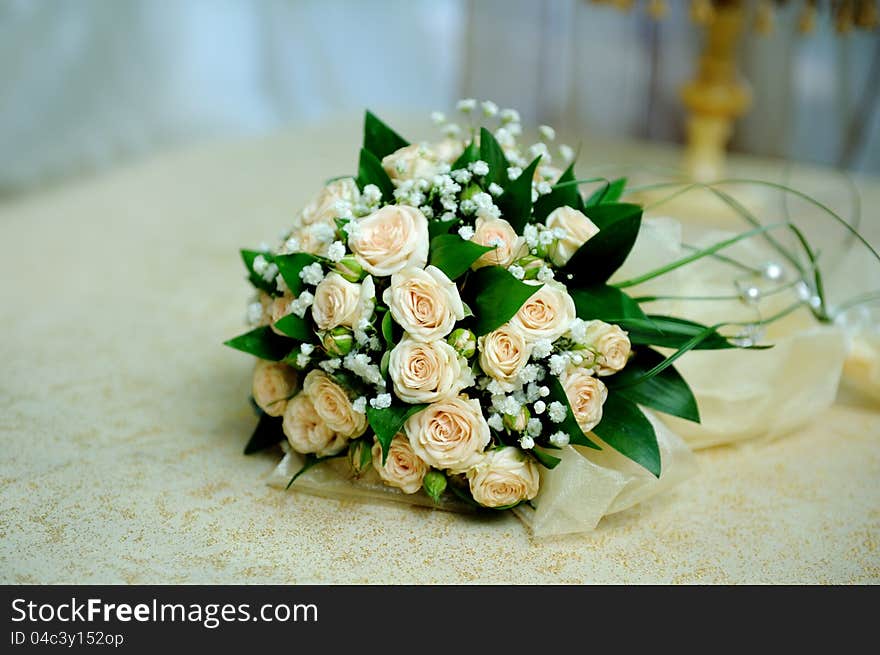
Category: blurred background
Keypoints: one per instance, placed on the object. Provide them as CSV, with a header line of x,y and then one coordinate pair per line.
x,y
88,84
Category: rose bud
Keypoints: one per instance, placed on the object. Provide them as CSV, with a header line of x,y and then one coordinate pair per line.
x,y
350,269
517,422
464,341
531,265
338,341
434,485
360,457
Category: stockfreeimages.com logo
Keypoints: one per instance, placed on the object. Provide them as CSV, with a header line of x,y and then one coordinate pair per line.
x,y
209,615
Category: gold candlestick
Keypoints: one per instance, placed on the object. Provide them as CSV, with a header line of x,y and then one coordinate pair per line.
x,y
717,96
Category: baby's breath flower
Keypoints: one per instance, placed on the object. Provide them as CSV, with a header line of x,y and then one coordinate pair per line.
x,y
451,130
534,427
301,304
489,108
479,167
547,132
509,116
566,152
514,172
539,406
372,194
495,422
254,313
438,117
545,274
495,189
558,364
542,349
559,439
557,412
466,232
314,273
517,271
381,401
504,137
527,442
336,251
461,175
466,105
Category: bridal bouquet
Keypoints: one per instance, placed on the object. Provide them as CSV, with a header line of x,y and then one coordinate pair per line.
x,y
444,319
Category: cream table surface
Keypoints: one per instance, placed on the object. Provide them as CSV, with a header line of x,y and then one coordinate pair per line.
x,y
122,418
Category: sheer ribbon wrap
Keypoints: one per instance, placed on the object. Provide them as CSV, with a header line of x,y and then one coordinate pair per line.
x,y
587,485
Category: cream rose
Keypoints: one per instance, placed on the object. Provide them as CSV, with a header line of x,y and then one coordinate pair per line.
x,y
425,303
314,239
449,434
547,314
610,343
578,230
273,384
305,430
503,353
425,372
390,239
333,405
448,150
410,162
279,307
504,477
337,302
497,232
403,468
586,395
326,205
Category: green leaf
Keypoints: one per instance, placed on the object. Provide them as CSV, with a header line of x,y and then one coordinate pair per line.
x,y
470,154
267,433
263,343
696,255
497,296
666,392
626,429
822,310
380,139
685,347
296,328
492,154
566,196
370,171
248,256
608,192
388,421
671,332
438,228
569,425
545,459
516,201
290,266
598,259
604,303
454,256
388,329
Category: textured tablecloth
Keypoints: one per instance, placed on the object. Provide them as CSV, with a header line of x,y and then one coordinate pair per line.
x,y
122,418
